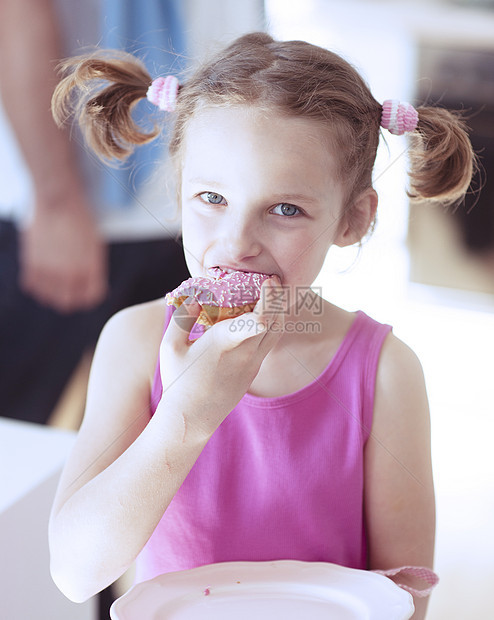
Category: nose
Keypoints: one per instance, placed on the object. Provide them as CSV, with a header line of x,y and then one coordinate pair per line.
x,y
241,237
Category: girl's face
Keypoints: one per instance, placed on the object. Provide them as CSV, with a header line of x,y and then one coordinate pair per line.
x,y
259,194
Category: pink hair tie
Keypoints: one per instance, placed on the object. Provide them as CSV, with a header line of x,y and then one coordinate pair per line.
x,y
163,93
399,117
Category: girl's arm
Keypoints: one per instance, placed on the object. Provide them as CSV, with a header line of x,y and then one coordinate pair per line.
x,y
125,467
116,483
399,491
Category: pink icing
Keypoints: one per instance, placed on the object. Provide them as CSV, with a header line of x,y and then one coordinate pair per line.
x,y
226,290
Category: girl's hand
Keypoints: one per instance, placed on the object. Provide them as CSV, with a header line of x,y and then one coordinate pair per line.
x,y
204,380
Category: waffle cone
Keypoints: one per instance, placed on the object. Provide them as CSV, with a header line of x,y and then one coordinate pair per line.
x,y
210,315
213,314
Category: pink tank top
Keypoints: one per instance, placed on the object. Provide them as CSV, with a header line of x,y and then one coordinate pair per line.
x,y
281,478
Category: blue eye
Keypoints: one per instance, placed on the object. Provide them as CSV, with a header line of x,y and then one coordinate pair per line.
x,y
287,209
212,198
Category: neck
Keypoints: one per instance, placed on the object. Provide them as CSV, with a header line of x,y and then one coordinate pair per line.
x,y
305,320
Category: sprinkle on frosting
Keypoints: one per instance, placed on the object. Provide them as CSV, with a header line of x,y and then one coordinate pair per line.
x,y
225,290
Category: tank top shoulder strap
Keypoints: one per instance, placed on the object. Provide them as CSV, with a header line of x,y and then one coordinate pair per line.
x,y
365,350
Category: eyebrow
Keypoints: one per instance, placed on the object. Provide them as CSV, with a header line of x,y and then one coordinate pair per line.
x,y
298,198
201,181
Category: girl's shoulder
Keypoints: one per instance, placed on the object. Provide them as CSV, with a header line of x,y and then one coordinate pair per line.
x,y
400,406
398,361
142,321
148,316
134,334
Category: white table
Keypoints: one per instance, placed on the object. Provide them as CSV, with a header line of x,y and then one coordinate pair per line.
x,y
31,459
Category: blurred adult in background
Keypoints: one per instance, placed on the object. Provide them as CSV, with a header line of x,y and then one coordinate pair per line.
x,y
78,240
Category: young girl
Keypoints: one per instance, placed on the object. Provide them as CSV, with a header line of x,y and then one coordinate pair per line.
x,y
300,430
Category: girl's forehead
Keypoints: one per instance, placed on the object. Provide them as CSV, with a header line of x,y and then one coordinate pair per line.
x,y
261,153
252,118
256,131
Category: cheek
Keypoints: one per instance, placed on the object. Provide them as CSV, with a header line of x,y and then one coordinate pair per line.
x,y
198,235
304,258
193,264
191,240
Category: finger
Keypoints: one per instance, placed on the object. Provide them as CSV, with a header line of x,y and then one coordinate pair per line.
x,y
241,328
46,287
40,286
80,298
272,303
91,292
183,321
65,294
64,298
94,289
267,316
95,294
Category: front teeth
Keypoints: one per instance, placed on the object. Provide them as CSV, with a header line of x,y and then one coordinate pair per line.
x,y
221,270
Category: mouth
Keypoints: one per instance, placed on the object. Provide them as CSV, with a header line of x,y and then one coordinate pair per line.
x,y
218,271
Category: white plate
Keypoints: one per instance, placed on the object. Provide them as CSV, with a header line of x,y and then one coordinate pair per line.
x,y
286,589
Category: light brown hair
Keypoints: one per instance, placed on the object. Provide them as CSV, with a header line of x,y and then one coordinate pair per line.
x,y
292,77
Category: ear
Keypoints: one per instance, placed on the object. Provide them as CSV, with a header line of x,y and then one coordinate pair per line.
x,y
357,218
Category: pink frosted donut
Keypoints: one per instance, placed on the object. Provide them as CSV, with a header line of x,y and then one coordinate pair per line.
x,y
221,296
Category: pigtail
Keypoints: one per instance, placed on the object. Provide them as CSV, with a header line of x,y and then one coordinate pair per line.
x,y
101,92
441,155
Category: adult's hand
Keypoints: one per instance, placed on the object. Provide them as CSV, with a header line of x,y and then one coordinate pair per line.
x,y
63,259
63,262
